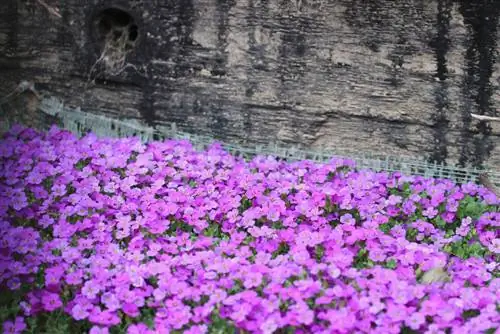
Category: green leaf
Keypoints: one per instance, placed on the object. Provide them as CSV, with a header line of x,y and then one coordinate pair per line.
x,y
220,326
468,314
319,251
283,249
391,264
82,163
386,228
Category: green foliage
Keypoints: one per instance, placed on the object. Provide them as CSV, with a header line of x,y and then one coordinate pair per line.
x,y
411,234
468,314
319,251
82,163
237,287
214,230
471,207
463,249
403,190
220,326
386,228
283,248
408,330
361,260
120,171
278,225
329,206
56,322
47,183
133,157
147,317
390,264
9,304
179,225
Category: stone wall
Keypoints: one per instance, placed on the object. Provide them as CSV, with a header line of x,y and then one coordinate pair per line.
x,y
387,77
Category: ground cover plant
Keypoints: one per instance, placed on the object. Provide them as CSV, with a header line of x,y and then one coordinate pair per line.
x,y
114,236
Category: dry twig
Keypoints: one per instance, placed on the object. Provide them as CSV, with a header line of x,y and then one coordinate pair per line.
x,y
485,118
53,10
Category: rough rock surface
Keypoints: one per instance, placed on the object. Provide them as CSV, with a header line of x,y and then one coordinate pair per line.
x,y
381,76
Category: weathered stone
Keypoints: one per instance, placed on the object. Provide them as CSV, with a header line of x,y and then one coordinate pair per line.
x,y
381,76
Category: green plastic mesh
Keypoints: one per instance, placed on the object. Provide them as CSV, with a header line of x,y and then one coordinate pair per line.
x,y
81,122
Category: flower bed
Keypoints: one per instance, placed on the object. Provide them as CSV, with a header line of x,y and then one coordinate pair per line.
x,y
111,235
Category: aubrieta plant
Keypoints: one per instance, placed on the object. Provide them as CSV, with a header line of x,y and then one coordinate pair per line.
x,y
115,236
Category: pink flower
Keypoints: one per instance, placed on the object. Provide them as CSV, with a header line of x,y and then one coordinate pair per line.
x,y
138,329
252,280
240,312
415,321
131,310
197,329
104,318
269,326
334,271
305,316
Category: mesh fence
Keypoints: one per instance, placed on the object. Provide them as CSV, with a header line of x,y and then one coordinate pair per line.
x,y
80,123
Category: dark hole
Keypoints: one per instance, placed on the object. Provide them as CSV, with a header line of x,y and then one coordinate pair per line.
x,y
104,26
114,22
117,34
133,33
117,16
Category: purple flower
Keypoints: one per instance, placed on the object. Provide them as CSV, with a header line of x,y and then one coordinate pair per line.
x,y
79,312
51,301
14,327
265,244
138,329
104,318
110,301
347,219
19,201
430,212
197,329
53,275
90,289
99,330
131,309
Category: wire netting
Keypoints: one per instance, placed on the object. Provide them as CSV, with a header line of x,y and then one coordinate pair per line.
x,y
80,122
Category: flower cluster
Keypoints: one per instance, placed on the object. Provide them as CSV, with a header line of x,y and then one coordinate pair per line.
x,y
112,236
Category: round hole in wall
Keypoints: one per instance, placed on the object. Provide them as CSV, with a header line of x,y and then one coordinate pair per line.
x,y
117,16
116,24
116,35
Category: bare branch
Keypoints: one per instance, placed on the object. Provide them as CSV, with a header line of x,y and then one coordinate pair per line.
x,y
53,10
485,118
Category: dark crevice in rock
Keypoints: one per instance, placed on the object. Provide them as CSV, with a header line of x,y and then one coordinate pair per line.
x,y
481,20
441,45
11,18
